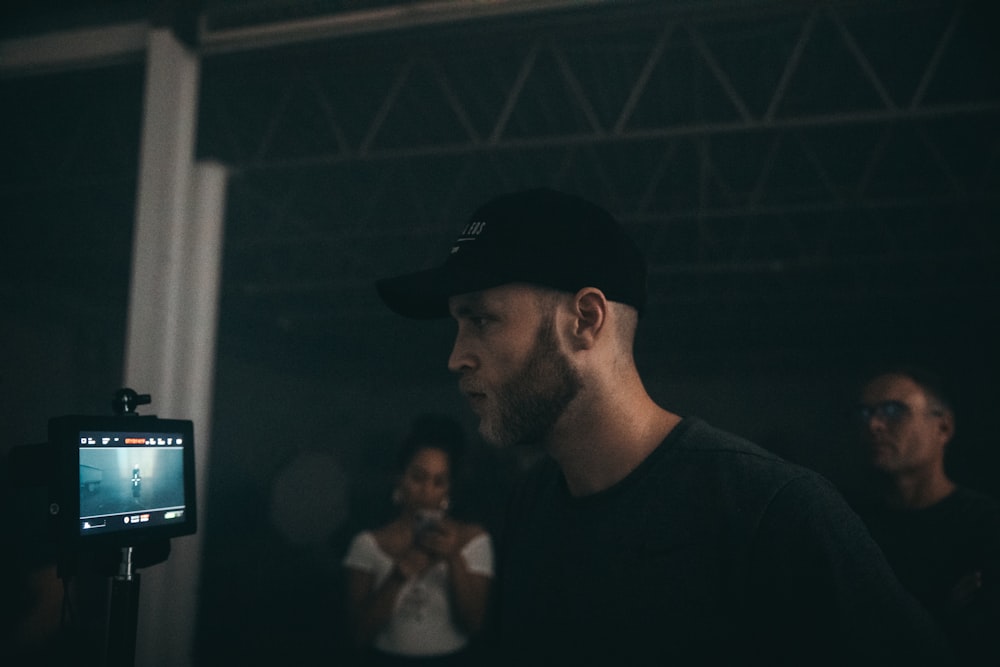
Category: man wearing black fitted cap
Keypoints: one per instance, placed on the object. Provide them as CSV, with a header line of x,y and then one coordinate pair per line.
x,y
644,537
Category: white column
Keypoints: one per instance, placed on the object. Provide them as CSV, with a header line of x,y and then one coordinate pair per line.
x,y
172,320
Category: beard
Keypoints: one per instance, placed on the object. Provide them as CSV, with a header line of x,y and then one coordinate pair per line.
x,y
530,402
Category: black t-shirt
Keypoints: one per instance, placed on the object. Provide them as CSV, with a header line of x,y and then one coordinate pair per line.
x,y
933,548
713,551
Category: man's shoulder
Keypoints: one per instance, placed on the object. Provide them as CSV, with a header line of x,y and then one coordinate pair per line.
x,y
695,445
969,498
714,463
695,435
695,459
974,508
699,443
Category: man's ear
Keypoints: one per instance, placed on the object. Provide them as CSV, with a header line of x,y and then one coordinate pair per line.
x,y
590,315
946,426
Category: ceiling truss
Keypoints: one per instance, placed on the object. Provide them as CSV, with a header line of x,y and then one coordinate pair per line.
x,y
761,172
764,154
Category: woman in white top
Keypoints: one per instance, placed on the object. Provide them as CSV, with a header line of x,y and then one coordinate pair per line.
x,y
418,586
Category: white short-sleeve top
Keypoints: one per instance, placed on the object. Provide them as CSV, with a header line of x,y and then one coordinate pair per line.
x,y
421,623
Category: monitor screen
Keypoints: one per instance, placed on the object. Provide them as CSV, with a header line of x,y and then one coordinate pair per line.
x,y
128,479
125,479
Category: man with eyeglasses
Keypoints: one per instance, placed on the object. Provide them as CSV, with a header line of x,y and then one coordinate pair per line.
x,y
942,539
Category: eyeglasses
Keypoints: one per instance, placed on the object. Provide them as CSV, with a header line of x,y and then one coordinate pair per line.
x,y
891,411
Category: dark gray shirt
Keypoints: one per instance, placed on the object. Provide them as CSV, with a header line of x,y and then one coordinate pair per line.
x,y
713,551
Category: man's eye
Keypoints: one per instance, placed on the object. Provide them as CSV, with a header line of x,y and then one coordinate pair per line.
x,y
893,410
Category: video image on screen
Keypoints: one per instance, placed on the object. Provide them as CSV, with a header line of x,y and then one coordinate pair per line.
x,y
130,487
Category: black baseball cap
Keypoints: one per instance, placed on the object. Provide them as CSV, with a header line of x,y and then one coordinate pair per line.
x,y
541,237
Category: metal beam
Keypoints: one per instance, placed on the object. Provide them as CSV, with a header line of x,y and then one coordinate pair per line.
x,y
84,48
367,21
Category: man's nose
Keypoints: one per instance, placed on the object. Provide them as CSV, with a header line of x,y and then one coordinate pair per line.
x,y
460,359
875,422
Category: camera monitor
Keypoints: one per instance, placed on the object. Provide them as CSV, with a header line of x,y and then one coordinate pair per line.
x,y
123,480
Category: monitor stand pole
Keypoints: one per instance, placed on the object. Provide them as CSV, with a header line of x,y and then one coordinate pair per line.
x,y
124,614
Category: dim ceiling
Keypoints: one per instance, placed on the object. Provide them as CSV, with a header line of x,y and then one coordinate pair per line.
x,y
796,172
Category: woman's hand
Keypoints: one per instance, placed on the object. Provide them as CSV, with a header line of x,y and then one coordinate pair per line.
x,y
440,539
